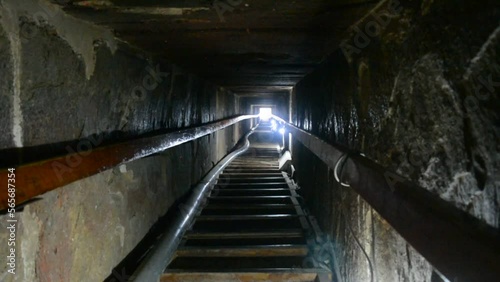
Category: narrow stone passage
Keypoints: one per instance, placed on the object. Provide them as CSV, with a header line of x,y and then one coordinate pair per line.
x,y
118,116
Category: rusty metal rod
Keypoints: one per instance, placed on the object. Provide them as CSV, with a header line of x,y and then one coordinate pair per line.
x,y
158,258
460,246
40,177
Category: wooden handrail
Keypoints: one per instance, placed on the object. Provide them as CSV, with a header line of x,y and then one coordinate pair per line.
x,y
40,177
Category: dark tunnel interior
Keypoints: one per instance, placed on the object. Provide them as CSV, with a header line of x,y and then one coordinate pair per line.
x,y
114,112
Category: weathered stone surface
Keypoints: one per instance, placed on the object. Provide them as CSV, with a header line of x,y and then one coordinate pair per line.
x,y
6,83
256,44
421,98
80,232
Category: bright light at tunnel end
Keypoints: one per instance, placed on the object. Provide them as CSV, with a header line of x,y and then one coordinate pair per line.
x,y
274,125
265,114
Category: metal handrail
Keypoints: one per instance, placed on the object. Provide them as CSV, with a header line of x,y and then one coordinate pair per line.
x,y
40,177
457,244
162,253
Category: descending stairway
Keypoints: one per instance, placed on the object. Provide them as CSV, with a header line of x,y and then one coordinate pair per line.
x,y
252,228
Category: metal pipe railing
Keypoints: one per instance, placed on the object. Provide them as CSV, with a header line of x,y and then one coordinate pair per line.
x,y
40,177
162,253
460,246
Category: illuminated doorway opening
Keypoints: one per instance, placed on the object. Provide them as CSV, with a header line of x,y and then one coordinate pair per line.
x,y
265,114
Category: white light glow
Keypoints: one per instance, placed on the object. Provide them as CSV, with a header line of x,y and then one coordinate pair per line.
x,y
274,125
265,114
282,131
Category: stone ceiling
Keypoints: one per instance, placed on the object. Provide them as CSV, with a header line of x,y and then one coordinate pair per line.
x,y
250,47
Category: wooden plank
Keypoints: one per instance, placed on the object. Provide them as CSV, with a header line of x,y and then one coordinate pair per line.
x,y
229,206
241,251
250,197
245,217
243,277
225,186
253,190
221,191
242,235
247,174
250,179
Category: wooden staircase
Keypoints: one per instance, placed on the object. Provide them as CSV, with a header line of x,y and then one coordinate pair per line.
x,y
252,228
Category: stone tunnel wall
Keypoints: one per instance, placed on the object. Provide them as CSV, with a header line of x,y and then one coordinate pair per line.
x,y
415,87
64,81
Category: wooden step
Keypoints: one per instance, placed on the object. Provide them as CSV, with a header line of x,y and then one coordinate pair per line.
x,y
264,276
229,205
269,185
251,192
228,242
251,174
291,233
237,200
244,251
222,264
245,217
268,179
249,211
251,170
247,224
